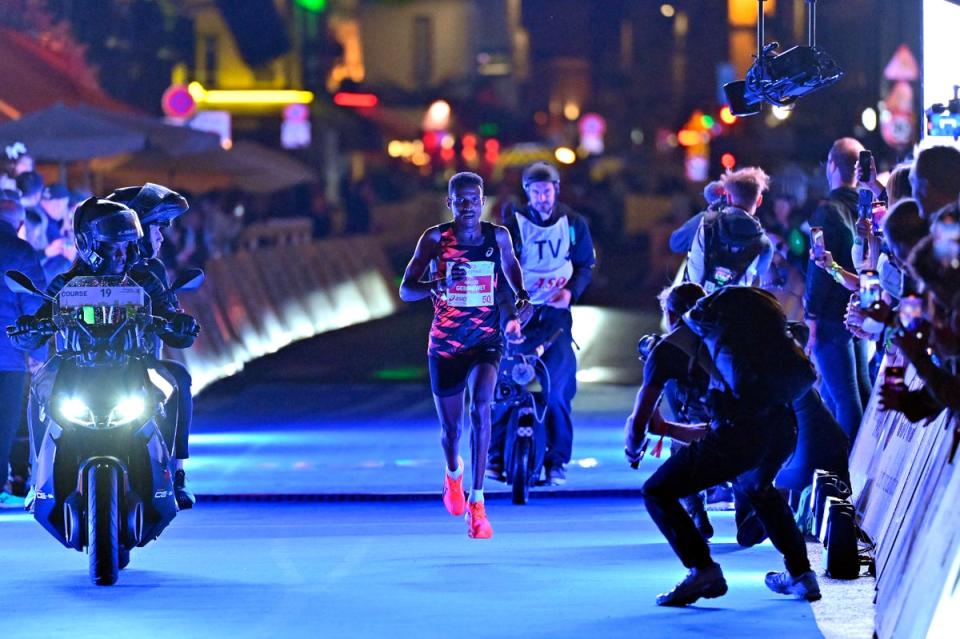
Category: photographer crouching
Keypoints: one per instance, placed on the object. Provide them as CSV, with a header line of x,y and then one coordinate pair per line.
x,y
738,335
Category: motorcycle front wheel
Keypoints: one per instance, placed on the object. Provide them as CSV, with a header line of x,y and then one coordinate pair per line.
x,y
103,524
520,470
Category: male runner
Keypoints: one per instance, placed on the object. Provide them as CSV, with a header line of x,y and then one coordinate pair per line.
x,y
466,259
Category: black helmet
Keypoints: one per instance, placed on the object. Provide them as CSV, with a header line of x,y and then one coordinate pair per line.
x,y
153,204
540,172
100,223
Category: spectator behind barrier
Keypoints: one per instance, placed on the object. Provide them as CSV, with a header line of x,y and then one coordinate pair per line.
x,y
939,332
898,184
935,179
841,359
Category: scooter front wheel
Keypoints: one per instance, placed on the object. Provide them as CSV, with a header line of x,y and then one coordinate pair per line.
x,y
103,524
520,470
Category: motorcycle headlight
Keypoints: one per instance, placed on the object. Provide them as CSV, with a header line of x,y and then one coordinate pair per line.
x,y
127,410
75,411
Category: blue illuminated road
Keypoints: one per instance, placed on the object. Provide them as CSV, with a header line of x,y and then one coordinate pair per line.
x,y
555,568
334,417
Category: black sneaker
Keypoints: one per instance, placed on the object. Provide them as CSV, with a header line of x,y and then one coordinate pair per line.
x,y
699,582
803,586
556,475
185,498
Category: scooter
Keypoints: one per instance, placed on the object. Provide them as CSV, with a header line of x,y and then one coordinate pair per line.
x,y
102,476
523,385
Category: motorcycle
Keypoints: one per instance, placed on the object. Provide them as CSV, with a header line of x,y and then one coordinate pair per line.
x,y
102,477
520,400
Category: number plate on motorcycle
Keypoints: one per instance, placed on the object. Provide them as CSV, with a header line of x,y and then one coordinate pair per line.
x,y
77,296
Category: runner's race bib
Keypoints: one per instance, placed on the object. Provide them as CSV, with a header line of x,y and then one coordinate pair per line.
x,y
476,289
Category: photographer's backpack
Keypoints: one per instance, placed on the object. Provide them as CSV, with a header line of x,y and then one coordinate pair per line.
x,y
745,332
732,240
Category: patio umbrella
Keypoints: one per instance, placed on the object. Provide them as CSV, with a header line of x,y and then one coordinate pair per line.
x,y
66,134
171,139
248,166
69,133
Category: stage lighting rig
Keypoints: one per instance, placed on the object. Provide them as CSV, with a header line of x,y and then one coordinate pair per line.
x,y
781,79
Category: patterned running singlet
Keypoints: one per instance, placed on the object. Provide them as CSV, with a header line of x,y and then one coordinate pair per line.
x,y
466,315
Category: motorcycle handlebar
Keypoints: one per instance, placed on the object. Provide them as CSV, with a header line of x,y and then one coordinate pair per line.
x,y
45,327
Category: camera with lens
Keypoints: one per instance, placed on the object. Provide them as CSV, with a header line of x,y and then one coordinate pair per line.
x,y
944,119
516,374
646,345
781,79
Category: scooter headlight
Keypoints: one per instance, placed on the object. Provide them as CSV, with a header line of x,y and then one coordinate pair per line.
x,y
75,411
127,410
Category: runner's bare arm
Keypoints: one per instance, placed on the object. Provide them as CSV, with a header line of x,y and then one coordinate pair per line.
x,y
411,288
508,260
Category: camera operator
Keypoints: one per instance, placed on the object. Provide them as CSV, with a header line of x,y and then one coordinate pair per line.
x,y
751,434
556,253
731,246
840,357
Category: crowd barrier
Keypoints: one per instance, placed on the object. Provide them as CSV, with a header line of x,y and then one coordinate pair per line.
x,y
278,288
906,490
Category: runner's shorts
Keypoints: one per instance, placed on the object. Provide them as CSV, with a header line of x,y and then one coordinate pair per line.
x,y
448,375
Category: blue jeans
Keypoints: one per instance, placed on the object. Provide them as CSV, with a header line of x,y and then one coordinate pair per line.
x,y
845,379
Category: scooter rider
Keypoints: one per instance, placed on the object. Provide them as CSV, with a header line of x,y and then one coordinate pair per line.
x,y
107,234
556,255
157,206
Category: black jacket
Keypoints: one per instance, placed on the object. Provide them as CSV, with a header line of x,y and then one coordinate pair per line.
x,y
163,302
16,255
824,299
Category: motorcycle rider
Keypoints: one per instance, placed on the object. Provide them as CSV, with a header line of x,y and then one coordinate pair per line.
x,y
556,255
156,207
107,235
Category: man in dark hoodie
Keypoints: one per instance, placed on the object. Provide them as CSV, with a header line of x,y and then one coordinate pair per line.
x,y
556,254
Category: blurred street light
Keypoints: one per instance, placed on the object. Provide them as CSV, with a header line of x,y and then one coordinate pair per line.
x,y
565,155
437,117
